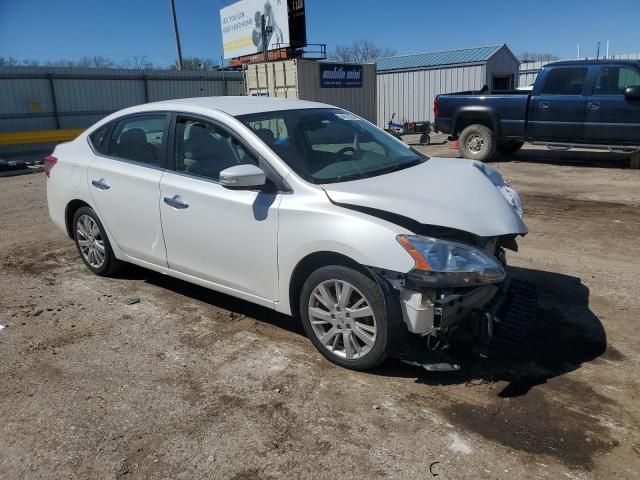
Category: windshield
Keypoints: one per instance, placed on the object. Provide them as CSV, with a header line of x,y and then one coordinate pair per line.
x,y
330,145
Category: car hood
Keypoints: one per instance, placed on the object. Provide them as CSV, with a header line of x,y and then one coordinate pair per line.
x,y
445,192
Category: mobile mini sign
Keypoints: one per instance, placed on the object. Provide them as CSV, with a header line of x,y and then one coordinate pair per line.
x,y
241,25
337,75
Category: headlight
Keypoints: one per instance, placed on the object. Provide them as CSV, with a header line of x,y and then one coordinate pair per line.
x,y
442,263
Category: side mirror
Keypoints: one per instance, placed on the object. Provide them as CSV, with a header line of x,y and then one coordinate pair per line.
x,y
632,93
243,176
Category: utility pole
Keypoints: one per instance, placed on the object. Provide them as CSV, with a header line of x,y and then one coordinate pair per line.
x,y
266,30
175,29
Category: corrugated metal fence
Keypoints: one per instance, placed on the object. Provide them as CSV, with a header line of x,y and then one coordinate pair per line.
x,y
45,98
529,70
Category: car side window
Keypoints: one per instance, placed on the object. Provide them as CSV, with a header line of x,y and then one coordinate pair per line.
x,y
204,149
565,81
138,138
100,140
614,80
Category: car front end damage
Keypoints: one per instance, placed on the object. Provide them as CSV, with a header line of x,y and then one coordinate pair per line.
x,y
446,301
462,216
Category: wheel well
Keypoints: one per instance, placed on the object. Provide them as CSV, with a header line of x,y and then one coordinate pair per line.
x,y
465,121
70,212
311,263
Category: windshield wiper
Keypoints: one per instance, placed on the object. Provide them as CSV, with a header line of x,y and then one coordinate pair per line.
x,y
400,166
372,173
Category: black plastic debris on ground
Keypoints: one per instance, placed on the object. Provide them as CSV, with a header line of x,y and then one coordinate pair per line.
x,y
18,167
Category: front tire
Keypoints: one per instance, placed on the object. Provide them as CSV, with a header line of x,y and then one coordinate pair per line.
x,y
344,315
477,142
93,244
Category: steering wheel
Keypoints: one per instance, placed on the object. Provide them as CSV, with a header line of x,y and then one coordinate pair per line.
x,y
344,150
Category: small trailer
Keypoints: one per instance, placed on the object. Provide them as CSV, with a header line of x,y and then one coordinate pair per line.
x,y
398,130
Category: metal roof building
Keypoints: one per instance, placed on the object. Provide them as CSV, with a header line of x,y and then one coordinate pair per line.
x,y
407,84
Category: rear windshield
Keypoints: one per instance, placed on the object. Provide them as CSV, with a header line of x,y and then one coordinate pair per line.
x,y
330,145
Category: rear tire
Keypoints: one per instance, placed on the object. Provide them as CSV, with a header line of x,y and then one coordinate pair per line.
x,y
425,139
93,244
477,142
350,330
506,148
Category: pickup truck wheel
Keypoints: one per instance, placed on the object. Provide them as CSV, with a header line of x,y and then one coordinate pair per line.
x,y
344,315
509,147
477,142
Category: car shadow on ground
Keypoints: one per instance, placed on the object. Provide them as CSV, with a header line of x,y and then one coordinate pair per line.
x,y
211,297
566,335
569,158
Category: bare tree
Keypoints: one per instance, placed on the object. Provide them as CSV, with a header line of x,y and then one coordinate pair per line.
x,y
9,62
137,63
361,51
537,57
59,63
95,62
196,63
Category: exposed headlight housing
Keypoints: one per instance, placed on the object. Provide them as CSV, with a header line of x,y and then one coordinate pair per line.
x,y
443,263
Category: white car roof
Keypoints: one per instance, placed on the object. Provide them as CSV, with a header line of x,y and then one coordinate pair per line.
x,y
236,105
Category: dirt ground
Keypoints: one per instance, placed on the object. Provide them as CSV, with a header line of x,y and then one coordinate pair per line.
x,y
143,376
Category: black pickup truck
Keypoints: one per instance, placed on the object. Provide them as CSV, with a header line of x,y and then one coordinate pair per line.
x,y
586,104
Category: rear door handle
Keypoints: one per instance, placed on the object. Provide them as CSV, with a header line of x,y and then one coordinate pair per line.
x,y
101,184
544,105
176,202
594,106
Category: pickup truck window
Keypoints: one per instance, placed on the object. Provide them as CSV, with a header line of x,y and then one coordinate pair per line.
x,y
565,81
614,80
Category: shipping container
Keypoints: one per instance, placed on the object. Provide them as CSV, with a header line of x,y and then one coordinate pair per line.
x,y
351,86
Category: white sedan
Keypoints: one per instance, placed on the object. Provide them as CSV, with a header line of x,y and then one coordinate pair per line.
x,y
298,206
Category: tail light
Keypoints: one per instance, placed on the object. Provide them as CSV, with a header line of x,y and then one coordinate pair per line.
x,y
49,162
436,113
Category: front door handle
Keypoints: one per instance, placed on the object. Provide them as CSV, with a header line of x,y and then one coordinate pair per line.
x,y
544,105
594,105
176,202
101,184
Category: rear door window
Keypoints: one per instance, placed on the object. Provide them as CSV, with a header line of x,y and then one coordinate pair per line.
x,y
139,139
614,80
565,81
100,139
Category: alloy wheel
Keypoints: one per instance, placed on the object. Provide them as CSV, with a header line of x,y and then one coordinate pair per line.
x,y
475,143
342,319
90,241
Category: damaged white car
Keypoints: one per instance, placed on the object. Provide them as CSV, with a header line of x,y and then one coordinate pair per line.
x,y
304,208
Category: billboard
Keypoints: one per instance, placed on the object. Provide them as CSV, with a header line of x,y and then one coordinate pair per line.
x,y
241,26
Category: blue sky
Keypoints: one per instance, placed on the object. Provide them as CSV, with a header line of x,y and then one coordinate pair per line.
x,y
119,29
